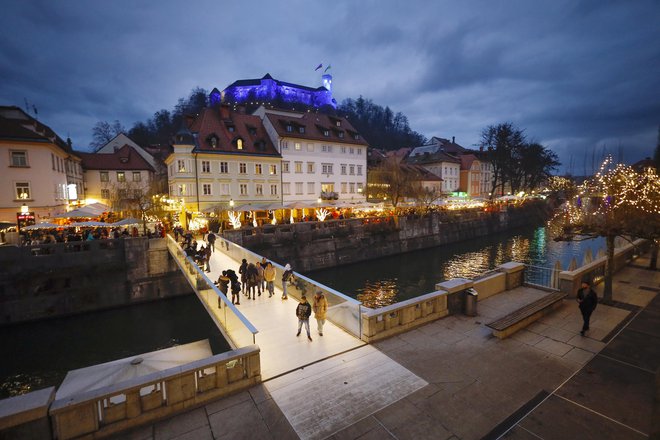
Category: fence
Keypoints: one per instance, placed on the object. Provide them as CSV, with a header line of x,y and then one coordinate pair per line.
x,y
236,328
546,277
343,311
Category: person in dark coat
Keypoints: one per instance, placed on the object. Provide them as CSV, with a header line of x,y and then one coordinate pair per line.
x,y
252,279
303,312
587,300
235,287
211,240
243,271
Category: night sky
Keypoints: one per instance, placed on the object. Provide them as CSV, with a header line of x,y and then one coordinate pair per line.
x,y
578,76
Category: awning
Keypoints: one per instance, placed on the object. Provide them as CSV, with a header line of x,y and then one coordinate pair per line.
x,y
126,222
43,225
89,225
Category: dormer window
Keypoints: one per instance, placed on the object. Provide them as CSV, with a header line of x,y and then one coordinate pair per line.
x,y
356,136
239,144
231,128
301,129
326,133
289,128
340,134
338,123
213,141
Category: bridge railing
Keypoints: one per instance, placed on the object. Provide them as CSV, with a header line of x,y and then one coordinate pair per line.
x,y
343,311
236,328
546,277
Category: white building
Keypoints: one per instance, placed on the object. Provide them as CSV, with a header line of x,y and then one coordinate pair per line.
x,y
446,166
37,168
323,156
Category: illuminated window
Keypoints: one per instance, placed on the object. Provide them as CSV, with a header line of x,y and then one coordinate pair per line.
x,y
206,166
224,167
242,168
182,190
121,176
181,165
239,144
298,167
137,176
23,190
273,170
19,158
258,168
297,146
206,189
104,176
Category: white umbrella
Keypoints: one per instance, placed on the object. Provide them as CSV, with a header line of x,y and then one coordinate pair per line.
x,y
43,225
89,225
126,222
80,212
102,375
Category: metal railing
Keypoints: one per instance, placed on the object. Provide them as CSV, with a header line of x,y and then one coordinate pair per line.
x,y
546,277
236,328
343,311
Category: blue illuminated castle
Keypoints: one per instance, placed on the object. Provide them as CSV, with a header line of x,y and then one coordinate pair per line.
x,y
278,94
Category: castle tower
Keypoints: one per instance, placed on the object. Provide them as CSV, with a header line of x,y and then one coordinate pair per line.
x,y
327,82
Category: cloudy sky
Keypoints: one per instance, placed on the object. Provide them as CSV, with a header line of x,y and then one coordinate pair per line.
x,y
579,76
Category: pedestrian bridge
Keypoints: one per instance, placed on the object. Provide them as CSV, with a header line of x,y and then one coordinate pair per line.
x,y
271,322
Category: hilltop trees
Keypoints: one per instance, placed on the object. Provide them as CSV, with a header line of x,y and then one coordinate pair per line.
x,y
103,132
520,164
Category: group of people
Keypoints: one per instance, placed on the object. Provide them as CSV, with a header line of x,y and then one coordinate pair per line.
x,y
68,235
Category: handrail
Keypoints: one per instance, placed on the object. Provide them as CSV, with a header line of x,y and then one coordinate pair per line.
x,y
251,328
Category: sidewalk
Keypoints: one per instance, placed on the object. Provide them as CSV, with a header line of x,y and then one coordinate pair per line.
x,y
599,386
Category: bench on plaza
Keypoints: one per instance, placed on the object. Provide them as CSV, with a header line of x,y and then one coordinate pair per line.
x,y
521,318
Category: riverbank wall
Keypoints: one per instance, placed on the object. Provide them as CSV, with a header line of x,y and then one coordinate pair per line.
x,y
318,245
54,280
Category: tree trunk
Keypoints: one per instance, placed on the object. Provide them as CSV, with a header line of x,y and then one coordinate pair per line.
x,y
609,270
654,255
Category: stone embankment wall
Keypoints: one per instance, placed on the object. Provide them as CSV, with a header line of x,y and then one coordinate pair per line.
x,y
61,279
317,245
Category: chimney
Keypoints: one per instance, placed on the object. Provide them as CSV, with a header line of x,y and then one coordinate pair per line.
x,y
453,139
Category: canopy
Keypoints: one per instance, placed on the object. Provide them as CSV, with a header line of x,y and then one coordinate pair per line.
x,y
301,205
89,225
109,373
43,225
93,210
126,222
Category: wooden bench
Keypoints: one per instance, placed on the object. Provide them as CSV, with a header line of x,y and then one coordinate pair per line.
x,y
521,318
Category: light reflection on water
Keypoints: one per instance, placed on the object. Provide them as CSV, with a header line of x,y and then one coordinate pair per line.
x,y
384,281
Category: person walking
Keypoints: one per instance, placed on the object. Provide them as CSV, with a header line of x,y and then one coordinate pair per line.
x,y
269,277
587,300
251,279
263,264
303,312
243,271
207,257
235,287
211,240
260,277
320,307
286,276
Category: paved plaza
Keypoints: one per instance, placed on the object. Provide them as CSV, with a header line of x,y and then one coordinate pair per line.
x,y
454,380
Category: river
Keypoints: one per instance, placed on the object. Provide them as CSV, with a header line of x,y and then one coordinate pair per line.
x,y
384,281
39,354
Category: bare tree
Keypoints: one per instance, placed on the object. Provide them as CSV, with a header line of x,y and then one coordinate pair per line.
x,y
103,132
390,180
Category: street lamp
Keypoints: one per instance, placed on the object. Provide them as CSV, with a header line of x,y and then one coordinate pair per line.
x,y
231,203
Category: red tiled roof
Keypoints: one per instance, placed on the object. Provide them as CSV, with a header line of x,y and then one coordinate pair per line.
x,y
466,161
15,124
314,126
125,158
220,120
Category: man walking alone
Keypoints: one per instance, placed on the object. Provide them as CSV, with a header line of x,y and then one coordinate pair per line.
x,y
587,299
303,312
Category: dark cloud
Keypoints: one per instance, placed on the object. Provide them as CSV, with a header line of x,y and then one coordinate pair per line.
x,y
577,75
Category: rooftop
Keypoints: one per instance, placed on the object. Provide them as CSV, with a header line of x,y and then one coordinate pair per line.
x,y
125,158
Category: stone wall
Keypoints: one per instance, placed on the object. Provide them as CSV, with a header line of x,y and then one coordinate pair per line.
x,y
67,278
317,245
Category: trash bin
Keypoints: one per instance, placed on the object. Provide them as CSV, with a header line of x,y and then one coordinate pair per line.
x,y
471,297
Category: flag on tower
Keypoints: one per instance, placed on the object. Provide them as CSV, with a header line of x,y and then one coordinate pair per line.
x,y
327,68
318,67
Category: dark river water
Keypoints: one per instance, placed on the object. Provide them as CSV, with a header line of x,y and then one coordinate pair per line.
x,y
37,355
387,280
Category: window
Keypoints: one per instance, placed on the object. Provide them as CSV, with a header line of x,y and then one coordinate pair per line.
x,y
224,189
359,169
343,187
311,187
206,166
258,168
105,193
359,150
19,158
243,189
297,146
338,123
273,190
327,149
351,170
273,170
286,189
301,129
52,160
351,150
239,144
289,128
351,187
104,176
299,188
121,176
182,190
242,168
327,187
181,165
137,193
340,134
137,176
23,190
310,167
224,167
285,167
343,169
231,128
327,168
343,150
259,189
326,133
360,188
206,189
298,167
284,145
310,147
356,136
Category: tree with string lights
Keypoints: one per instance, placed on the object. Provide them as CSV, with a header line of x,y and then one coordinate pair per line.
x,y
617,202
